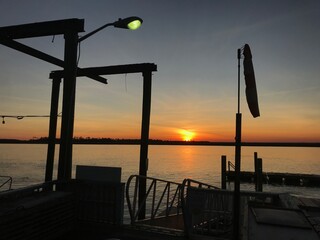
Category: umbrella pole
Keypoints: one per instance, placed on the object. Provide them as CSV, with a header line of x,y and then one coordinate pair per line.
x,y
239,57
236,196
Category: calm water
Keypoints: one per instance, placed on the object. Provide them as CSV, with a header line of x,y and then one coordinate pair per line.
x,y
26,162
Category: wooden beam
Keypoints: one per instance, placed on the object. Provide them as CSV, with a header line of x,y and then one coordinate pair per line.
x,y
30,51
145,126
41,29
42,56
68,107
110,70
52,128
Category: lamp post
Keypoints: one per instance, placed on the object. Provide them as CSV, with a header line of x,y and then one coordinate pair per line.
x,y
131,23
69,86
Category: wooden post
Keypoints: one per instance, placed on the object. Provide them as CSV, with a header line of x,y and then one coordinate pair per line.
x,y
255,159
260,176
223,172
146,109
258,173
68,107
52,128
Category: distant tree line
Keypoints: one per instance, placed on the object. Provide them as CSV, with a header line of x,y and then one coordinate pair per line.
x,y
90,140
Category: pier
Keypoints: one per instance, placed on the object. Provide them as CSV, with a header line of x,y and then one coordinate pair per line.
x,y
260,177
290,179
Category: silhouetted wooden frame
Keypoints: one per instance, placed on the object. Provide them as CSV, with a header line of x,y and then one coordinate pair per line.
x,y
70,29
146,69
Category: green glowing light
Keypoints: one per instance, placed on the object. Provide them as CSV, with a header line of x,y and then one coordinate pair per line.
x,y
134,24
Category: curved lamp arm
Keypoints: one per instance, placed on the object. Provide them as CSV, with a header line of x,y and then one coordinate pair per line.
x,y
132,23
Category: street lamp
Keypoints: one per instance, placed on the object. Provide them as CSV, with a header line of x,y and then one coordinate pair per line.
x,y
131,23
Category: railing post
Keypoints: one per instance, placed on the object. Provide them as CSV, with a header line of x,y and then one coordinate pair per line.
x,y
168,195
153,213
223,172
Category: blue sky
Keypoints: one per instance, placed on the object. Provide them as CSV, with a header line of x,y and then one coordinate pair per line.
x,y
194,45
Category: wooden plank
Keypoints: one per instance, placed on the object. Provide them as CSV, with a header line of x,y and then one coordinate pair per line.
x,y
41,29
42,56
110,70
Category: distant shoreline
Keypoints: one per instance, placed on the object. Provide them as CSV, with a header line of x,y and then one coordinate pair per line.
x,y
108,141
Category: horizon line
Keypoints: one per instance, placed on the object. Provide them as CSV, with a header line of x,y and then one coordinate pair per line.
x,y
134,141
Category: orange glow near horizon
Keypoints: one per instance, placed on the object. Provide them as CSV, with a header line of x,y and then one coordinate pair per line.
x,y
187,135
36,128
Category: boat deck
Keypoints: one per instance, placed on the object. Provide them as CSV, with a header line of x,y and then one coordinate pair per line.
x,y
125,232
73,214
298,218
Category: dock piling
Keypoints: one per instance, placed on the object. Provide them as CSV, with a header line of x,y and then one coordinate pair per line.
x,y
258,172
223,172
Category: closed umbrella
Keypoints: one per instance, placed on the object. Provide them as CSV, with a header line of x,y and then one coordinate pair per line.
x,y
251,88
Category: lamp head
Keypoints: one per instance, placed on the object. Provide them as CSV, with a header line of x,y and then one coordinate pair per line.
x,y
131,23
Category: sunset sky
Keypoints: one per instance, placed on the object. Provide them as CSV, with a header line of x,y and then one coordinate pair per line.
x,y
194,92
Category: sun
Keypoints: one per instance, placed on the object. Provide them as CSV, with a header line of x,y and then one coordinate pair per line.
x,y
186,135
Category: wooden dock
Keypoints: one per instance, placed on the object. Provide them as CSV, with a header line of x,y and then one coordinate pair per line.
x,y
291,179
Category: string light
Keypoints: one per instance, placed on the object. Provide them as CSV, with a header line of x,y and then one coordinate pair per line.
x,y
20,117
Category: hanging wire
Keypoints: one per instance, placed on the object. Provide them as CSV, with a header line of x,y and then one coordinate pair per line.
x,y
20,117
125,81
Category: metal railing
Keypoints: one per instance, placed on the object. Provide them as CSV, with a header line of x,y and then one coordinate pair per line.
x,y
6,183
192,183
210,211
187,184
161,199
231,165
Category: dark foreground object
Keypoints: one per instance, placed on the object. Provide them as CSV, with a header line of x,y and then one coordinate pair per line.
x,y
82,210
